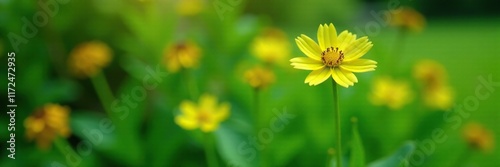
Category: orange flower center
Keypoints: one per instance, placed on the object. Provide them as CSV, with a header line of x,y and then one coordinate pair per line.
x,y
332,57
203,117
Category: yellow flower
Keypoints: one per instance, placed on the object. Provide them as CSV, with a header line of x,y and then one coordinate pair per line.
x,y
478,137
336,56
45,124
87,59
436,91
189,7
407,18
430,73
259,77
392,93
439,97
181,55
271,46
206,116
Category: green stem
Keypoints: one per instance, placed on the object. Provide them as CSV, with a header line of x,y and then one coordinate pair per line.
x,y
210,150
191,84
256,109
62,145
337,117
103,92
398,49
258,124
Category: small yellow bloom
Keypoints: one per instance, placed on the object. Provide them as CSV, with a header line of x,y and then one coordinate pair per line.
x,y
336,56
181,55
407,18
259,77
87,59
436,91
206,116
479,137
189,7
439,97
392,93
271,46
45,124
430,73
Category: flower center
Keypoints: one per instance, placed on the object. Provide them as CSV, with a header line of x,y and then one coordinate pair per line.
x,y
203,117
332,57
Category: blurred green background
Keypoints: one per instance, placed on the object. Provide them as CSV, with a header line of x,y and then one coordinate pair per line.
x,y
463,36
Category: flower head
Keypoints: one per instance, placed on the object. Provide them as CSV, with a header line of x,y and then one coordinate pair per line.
x,y
271,46
336,56
189,7
478,137
87,59
46,123
206,116
181,55
406,18
436,91
259,77
392,93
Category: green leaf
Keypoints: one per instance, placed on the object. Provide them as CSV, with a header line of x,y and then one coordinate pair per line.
x,y
398,158
234,147
357,158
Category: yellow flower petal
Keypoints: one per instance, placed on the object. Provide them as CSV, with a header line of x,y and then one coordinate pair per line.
x,y
307,66
356,45
188,108
358,68
209,126
345,39
333,33
313,75
338,80
222,112
306,63
360,62
357,53
323,38
313,45
349,75
308,47
186,122
207,102
343,77
320,77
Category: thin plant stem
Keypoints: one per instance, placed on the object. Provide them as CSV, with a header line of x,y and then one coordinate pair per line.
x,y
103,92
210,150
62,145
256,114
191,84
258,124
398,49
337,126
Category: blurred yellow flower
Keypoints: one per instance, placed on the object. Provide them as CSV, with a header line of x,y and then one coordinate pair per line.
x,y
46,123
406,18
88,59
439,97
336,56
206,116
271,46
392,93
479,137
430,73
189,7
259,77
436,91
181,55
